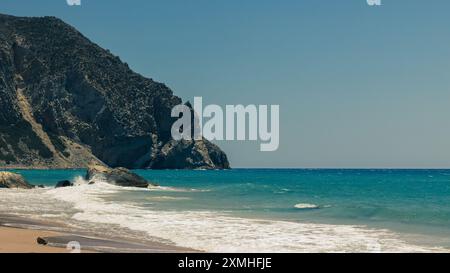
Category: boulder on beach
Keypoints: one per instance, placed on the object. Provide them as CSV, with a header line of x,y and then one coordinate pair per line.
x,y
63,184
41,241
13,181
118,176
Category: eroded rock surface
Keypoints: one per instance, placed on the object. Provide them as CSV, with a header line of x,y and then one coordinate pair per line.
x,y
68,103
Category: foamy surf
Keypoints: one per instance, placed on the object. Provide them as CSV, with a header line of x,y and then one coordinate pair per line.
x,y
95,208
173,189
216,232
166,198
306,206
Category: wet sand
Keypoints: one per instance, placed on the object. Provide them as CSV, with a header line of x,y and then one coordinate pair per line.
x,y
20,235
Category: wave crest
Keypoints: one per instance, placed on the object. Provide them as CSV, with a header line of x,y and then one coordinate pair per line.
x,y
306,206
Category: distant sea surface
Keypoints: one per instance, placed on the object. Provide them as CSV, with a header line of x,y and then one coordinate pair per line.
x,y
253,210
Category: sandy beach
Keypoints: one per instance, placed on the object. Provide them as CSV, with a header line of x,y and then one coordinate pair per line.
x,y
19,235
16,240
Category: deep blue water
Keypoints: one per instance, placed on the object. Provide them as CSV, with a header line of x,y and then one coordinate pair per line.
x,y
402,199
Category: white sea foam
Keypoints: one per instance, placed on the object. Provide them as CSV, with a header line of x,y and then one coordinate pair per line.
x,y
173,189
87,206
306,206
79,180
166,198
212,231
33,204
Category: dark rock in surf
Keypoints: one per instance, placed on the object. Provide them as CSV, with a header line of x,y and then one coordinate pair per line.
x,y
118,176
63,184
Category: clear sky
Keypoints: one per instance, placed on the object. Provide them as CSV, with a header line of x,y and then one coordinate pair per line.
x,y
358,86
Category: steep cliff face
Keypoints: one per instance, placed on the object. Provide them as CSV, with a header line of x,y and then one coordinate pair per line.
x,y
66,102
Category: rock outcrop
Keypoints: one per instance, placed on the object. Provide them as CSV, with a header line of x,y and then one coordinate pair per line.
x,y
118,176
64,184
68,103
194,155
13,181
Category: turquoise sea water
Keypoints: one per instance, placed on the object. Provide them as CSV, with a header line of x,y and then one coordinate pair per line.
x,y
319,210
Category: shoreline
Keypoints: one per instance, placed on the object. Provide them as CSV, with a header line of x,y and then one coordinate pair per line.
x,y
18,240
20,235
108,218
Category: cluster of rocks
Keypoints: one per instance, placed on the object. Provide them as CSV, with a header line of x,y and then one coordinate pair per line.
x,y
13,181
117,176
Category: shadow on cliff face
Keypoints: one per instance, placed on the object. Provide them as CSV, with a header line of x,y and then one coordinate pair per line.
x,y
89,103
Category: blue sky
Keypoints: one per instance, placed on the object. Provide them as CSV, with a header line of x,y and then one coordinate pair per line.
x,y
358,86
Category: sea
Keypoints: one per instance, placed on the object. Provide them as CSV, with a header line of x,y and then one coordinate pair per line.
x,y
252,210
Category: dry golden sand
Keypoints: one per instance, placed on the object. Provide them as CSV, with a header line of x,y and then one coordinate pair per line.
x,y
15,240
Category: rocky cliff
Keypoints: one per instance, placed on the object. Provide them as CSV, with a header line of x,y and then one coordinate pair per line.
x,y
66,102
